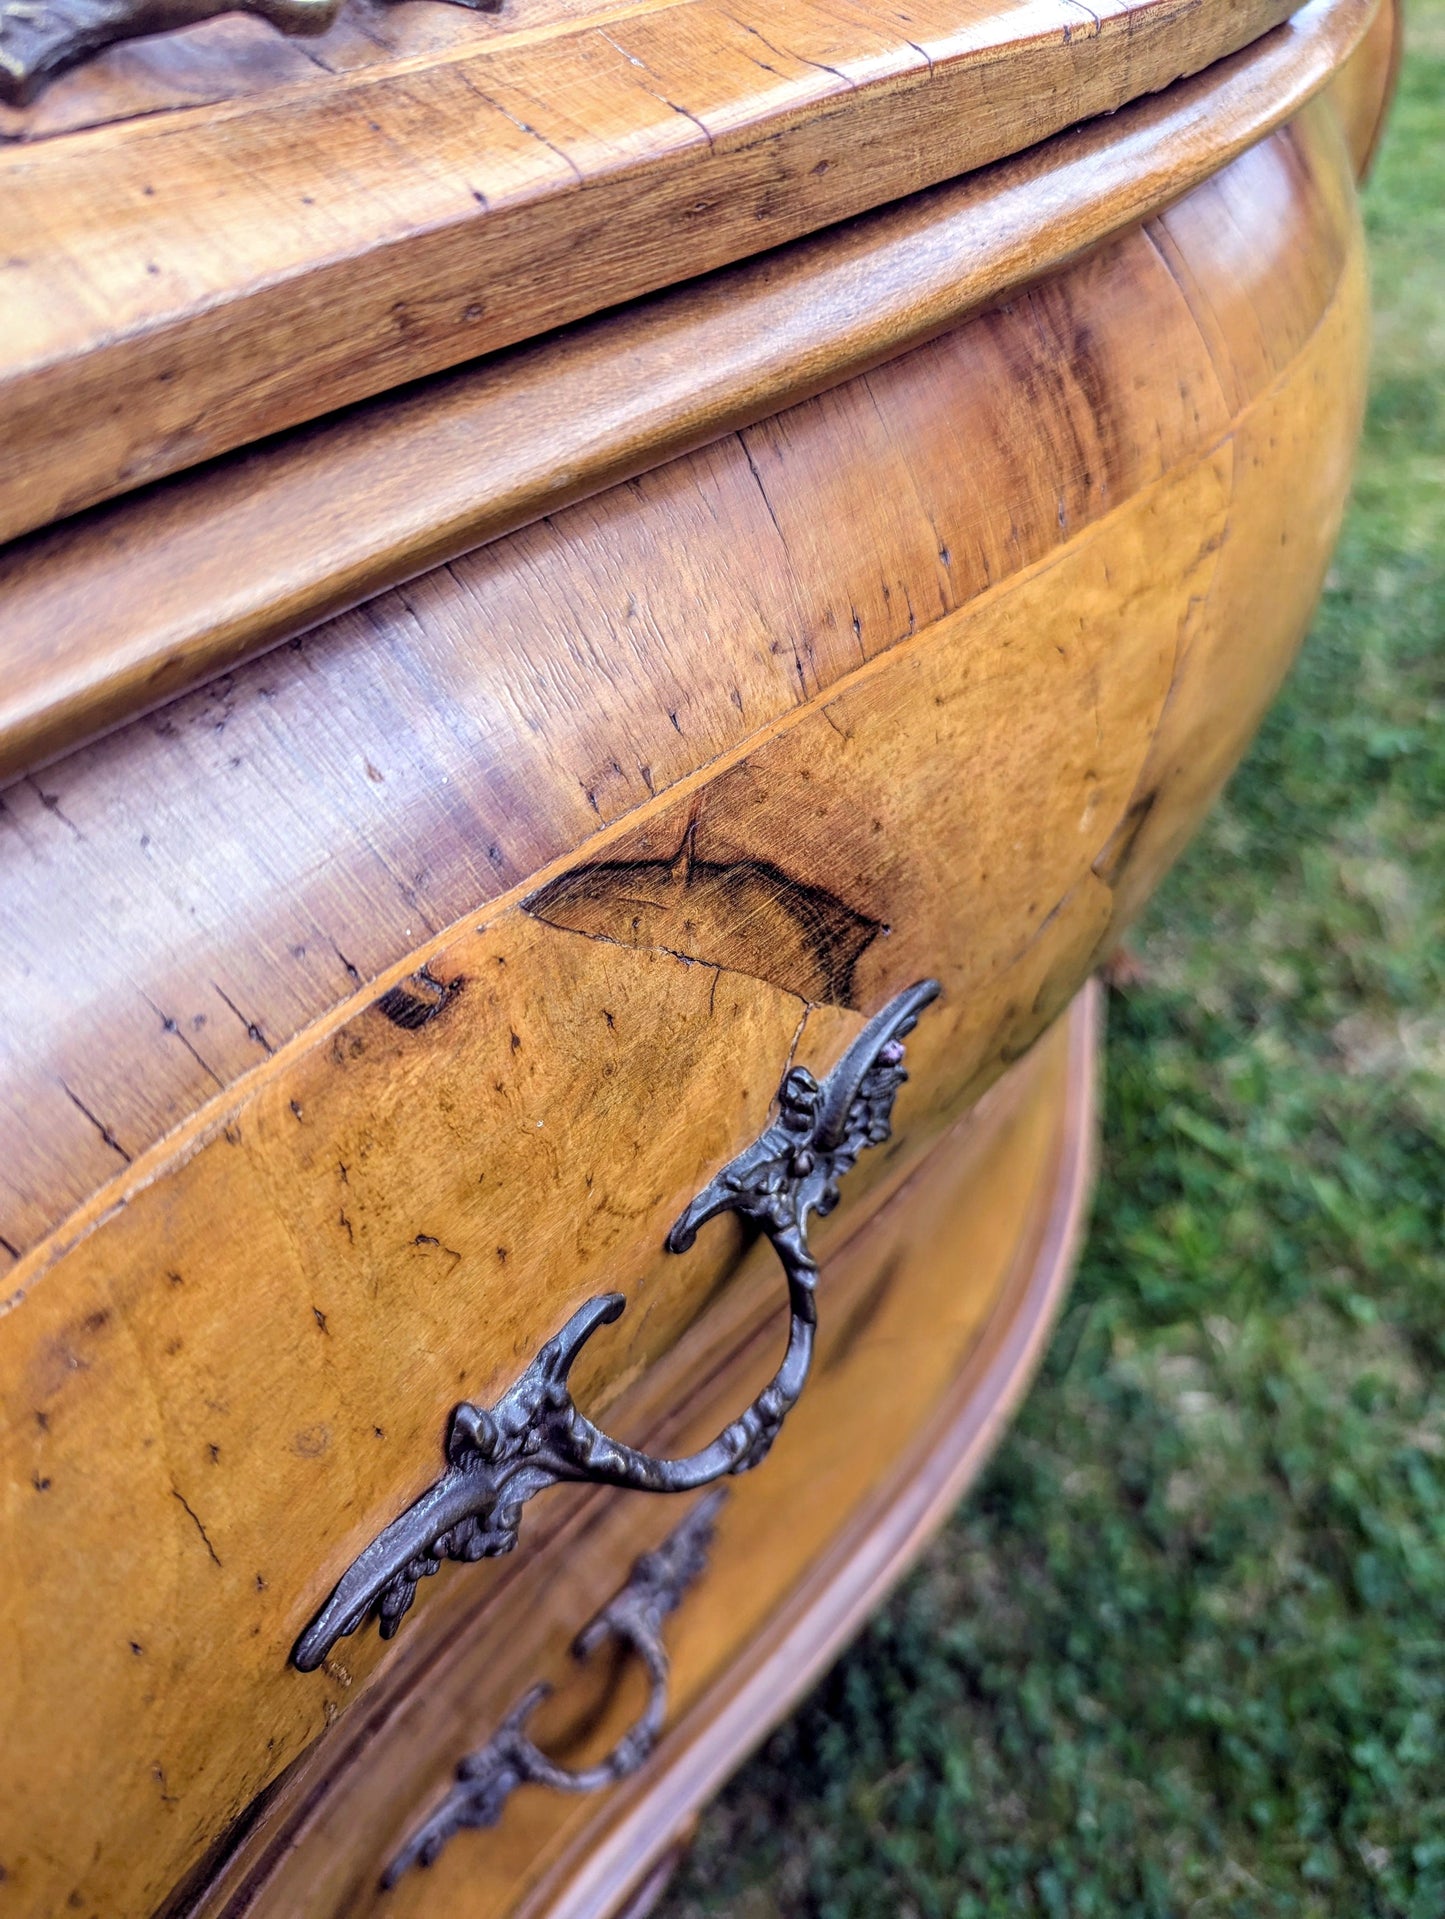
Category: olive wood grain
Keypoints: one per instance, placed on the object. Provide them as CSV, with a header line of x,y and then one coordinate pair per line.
x,y
236,269
124,608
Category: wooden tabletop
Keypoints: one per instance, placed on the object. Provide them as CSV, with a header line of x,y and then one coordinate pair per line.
x,y
214,235
123,607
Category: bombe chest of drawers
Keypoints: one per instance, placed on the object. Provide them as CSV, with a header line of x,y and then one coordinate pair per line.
x,y
606,608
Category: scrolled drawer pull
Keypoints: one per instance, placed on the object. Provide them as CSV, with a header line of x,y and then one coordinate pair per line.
x,y
499,1457
487,1778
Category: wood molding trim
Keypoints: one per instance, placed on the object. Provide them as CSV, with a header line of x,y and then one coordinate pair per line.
x,y
1364,88
117,613
292,749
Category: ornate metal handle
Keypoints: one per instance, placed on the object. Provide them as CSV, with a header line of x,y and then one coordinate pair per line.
x,y
501,1456
487,1778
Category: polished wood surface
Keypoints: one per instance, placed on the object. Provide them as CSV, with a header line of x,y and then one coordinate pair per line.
x,y
180,283
124,608
952,1284
286,846
1365,85
394,994
427,834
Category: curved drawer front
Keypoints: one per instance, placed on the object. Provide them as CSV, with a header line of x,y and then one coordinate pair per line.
x,y
536,1437
426,208
950,1285
955,656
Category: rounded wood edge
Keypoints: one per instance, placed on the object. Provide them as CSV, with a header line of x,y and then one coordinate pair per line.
x,y
869,1559
489,225
1364,88
116,613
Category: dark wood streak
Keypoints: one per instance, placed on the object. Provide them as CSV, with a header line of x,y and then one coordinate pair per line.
x,y
861,1314
416,1001
744,914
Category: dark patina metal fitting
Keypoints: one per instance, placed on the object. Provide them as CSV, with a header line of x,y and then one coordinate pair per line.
x,y
499,1457
41,38
487,1778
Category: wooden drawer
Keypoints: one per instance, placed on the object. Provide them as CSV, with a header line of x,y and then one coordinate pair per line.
x,y
949,1286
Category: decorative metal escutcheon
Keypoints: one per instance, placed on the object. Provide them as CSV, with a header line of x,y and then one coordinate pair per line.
x,y
500,1456
487,1778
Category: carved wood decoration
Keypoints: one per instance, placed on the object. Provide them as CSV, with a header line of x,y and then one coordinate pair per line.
x,y
41,38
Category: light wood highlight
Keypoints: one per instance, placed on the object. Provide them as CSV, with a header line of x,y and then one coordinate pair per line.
x,y
125,608
180,284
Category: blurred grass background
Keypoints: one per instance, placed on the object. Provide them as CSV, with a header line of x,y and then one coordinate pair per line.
x,y
1183,1650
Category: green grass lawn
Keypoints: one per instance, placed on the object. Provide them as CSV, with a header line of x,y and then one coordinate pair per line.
x,y
1183,1650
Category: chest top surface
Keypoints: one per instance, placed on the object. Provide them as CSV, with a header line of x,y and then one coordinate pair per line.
x,y
218,233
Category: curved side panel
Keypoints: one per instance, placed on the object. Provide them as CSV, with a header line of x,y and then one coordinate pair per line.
x,y
1363,88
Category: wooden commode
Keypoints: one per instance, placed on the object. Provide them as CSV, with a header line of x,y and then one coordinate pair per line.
x,y
607,608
